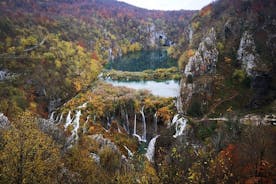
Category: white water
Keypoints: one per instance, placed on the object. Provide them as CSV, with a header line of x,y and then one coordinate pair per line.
x,y
168,88
180,125
52,116
76,124
144,135
68,120
135,133
129,152
83,105
151,149
60,118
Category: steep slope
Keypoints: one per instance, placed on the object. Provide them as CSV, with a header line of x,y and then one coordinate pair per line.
x,y
228,59
52,53
56,48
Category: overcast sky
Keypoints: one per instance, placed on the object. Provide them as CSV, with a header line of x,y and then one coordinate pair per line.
x,y
169,4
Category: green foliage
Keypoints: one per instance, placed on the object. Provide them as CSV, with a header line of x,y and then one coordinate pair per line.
x,y
158,74
239,75
195,109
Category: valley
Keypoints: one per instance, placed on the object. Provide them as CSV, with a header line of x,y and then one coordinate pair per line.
x,y
100,91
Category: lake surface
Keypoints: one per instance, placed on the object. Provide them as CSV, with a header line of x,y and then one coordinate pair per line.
x,y
144,60
168,88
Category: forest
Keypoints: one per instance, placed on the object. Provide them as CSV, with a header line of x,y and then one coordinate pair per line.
x,y
61,122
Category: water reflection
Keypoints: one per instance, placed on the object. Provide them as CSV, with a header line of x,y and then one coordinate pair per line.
x,y
142,60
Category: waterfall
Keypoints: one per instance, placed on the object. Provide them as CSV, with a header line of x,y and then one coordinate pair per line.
x,y
76,124
129,152
134,128
68,120
155,123
144,135
134,132
180,125
83,105
175,118
60,118
151,149
52,118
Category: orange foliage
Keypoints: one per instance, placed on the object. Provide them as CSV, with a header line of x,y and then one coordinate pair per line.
x,y
206,11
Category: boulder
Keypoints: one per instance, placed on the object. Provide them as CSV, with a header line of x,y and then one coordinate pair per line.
x,y
4,121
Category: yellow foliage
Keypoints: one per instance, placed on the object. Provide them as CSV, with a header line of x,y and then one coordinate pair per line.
x,y
29,156
77,85
58,64
227,60
195,25
164,113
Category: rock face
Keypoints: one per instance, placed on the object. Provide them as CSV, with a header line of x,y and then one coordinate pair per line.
x,y
205,59
199,71
247,54
53,104
5,75
253,119
104,142
4,121
49,127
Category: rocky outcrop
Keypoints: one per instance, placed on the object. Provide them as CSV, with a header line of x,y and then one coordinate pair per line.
x,y
205,59
249,58
103,142
49,127
4,121
247,54
53,104
6,75
253,119
198,70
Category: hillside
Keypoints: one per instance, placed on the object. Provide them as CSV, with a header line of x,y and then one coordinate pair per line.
x,y
61,122
68,36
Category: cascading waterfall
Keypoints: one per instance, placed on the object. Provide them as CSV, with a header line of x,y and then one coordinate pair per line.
x,y
76,124
151,149
144,135
134,131
180,125
129,152
155,123
60,118
68,120
83,105
52,118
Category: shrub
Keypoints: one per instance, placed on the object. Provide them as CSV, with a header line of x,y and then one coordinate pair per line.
x,y
195,109
110,160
